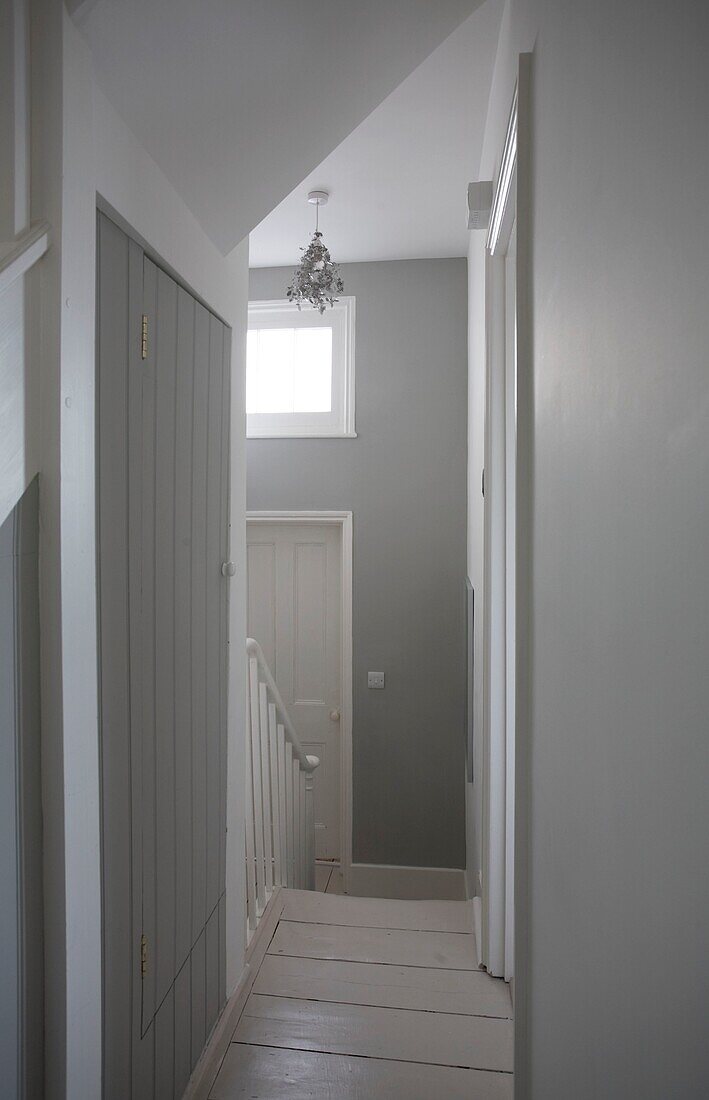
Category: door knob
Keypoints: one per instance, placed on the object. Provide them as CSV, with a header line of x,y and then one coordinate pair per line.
x,y
228,569
334,716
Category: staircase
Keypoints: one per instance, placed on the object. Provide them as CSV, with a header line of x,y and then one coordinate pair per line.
x,y
363,997
280,837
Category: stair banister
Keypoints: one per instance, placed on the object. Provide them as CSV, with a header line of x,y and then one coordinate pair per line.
x,y
280,836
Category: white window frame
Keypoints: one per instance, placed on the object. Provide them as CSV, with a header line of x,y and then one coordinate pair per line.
x,y
340,421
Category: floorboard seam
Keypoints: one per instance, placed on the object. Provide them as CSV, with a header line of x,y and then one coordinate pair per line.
x,y
368,1004
370,1057
377,962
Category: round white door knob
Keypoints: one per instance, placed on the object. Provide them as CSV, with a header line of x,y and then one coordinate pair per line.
x,y
228,569
334,716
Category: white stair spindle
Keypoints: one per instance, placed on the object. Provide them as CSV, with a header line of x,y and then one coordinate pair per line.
x,y
290,879
298,866
266,780
275,802
251,903
257,784
309,832
281,740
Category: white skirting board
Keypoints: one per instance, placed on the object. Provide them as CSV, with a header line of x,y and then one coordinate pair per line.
x,y
380,880
478,919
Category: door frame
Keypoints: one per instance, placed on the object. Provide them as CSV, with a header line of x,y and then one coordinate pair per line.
x,y
505,750
343,520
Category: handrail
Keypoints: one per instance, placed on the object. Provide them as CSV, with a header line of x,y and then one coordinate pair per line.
x,y
307,763
17,257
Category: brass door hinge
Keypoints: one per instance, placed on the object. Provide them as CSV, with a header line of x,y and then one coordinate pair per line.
x,y
144,337
143,956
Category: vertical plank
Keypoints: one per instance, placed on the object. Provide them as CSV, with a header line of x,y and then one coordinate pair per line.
x,y
183,1039
254,724
199,621
224,602
183,613
10,964
266,780
143,1065
165,1048
282,822
214,583
165,336
112,507
142,1048
211,996
30,793
275,806
147,643
198,993
289,814
297,865
222,952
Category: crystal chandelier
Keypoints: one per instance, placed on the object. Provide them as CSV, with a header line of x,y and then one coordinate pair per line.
x,y
316,280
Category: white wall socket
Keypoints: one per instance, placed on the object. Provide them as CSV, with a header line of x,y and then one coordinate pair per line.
x,y
375,680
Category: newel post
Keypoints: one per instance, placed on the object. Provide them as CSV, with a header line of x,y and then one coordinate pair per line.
x,y
310,825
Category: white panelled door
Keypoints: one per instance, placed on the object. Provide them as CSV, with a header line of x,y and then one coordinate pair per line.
x,y
294,610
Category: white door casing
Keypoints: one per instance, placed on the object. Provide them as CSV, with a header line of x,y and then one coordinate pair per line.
x,y
295,585
501,551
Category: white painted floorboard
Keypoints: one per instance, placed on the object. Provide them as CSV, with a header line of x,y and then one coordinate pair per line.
x,y
421,916
406,1036
269,1073
467,992
368,998
449,950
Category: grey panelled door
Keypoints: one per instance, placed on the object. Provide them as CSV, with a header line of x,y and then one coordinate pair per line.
x,y
21,969
163,535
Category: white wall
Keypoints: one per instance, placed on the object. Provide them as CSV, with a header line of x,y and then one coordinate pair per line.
x,y
80,138
612,975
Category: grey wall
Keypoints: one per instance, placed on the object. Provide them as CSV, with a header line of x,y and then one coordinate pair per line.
x,y
403,477
616,954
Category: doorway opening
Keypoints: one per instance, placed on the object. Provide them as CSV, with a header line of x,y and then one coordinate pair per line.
x,y
299,609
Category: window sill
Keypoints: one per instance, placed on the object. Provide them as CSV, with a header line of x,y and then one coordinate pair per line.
x,y
303,435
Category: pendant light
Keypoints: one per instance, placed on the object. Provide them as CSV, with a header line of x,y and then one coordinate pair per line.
x,y
316,280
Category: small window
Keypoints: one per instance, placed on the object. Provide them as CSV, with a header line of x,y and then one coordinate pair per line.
x,y
300,370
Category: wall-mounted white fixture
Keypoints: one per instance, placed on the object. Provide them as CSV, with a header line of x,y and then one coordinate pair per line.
x,y
479,204
375,680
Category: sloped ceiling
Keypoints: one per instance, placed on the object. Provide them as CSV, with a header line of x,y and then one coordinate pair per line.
x,y
398,182
238,100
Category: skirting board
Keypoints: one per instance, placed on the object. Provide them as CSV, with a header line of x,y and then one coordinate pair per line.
x,y
380,880
206,1070
478,919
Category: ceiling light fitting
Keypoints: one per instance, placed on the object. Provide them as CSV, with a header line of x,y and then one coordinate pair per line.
x,y
316,280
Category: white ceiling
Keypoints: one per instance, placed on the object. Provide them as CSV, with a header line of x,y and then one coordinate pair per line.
x,y
237,100
398,183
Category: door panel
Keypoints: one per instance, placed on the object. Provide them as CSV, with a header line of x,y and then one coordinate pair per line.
x,y
163,534
294,592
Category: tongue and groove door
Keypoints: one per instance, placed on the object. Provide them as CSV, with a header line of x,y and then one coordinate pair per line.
x,y
163,401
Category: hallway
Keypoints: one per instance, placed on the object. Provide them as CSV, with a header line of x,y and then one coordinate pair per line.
x,y
362,997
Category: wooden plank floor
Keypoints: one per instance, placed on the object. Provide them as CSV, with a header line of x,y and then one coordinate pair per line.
x,y
367,998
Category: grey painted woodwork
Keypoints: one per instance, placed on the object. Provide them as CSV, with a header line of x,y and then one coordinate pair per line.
x,y
21,993
163,534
